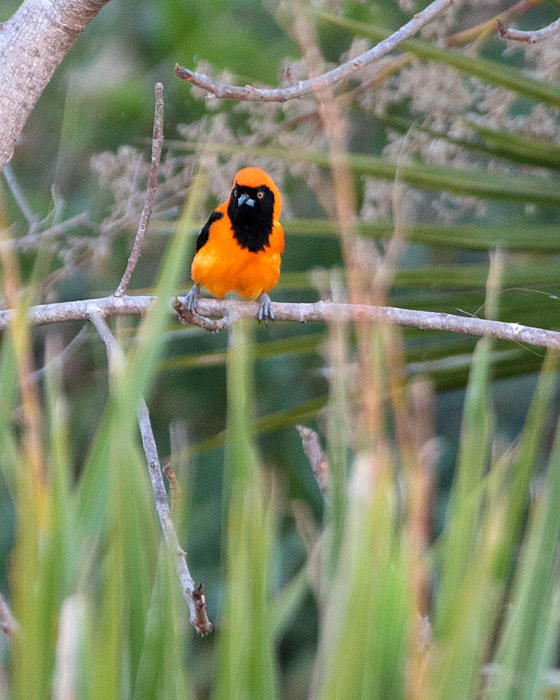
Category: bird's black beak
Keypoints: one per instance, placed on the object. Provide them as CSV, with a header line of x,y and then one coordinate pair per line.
x,y
245,199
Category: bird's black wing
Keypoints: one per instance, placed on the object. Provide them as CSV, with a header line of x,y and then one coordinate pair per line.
x,y
203,235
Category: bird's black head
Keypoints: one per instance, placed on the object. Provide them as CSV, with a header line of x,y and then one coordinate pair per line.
x,y
251,211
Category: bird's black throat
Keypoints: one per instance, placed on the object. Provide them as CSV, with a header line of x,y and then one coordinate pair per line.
x,y
252,225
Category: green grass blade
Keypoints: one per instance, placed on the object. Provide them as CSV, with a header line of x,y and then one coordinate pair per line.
x,y
543,238
520,148
525,461
466,498
472,183
245,648
366,622
525,646
160,669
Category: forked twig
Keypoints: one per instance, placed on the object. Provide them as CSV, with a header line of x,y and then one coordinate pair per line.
x,y
321,82
530,37
157,145
191,318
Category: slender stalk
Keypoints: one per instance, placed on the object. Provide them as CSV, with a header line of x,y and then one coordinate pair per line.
x,y
192,594
157,145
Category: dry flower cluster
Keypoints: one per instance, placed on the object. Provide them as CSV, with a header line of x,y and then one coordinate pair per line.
x,y
435,98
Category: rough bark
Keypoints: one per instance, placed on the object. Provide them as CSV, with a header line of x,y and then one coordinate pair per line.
x,y
33,42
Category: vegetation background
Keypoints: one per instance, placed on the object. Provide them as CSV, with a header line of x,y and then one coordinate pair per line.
x,y
471,131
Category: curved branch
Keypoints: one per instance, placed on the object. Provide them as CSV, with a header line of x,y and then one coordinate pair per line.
x,y
319,312
321,82
530,37
32,44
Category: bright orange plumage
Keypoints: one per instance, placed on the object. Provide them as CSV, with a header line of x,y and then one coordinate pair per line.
x,y
239,248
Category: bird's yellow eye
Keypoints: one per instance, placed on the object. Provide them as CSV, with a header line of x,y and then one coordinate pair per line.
x,y
236,192
260,194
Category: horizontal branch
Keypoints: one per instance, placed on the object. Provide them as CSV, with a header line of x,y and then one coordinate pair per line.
x,y
321,82
531,37
319,312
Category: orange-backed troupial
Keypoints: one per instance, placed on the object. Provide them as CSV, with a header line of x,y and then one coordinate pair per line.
x,y
239,248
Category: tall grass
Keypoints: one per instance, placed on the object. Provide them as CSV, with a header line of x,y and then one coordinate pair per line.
x,y
96,596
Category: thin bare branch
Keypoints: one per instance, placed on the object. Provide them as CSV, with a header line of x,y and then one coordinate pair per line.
x,y
318,312
321,82
530,37
316,456
8,623
189,318
193,595
157,145
34,240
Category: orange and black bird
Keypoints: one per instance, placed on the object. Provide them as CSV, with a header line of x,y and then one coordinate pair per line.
x,y
240,246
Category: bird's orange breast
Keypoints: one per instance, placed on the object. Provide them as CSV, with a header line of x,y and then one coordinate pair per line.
x,y
223,266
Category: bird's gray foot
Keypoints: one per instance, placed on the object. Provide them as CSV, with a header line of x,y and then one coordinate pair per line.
x,y
191,300
266,313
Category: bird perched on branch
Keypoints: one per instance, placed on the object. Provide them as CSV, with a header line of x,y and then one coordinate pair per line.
x,y
239,248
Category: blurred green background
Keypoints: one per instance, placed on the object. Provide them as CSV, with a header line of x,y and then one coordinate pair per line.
x,y
101,98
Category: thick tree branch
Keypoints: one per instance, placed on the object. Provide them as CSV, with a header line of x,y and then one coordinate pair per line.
x,y
157,145
321,82
32,44
193,595
319,312
530,37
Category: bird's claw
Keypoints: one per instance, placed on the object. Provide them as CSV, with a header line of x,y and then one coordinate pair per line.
x,y
266,313
191,300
